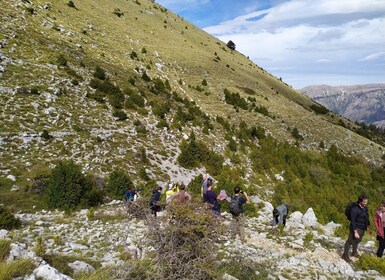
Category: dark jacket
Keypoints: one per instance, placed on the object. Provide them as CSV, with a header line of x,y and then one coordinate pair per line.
x,y
359,218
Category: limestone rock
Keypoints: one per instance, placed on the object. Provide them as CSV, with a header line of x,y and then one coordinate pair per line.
x,y
12,178
309,219
80,267
3,233
47,272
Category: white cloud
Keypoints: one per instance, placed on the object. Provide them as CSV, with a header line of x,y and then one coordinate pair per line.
x,y
323,60
301,34
374,56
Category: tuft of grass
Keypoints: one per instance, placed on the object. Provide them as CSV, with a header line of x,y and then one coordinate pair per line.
x,y
4,249
17,268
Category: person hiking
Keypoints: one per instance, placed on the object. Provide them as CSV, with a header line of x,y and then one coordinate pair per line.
x,y
129,195
169,193
359,222
279,216
236,210
182,196
154,200
211,198
379,223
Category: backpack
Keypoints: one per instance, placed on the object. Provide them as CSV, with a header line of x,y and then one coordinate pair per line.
x,y
349,208
235,205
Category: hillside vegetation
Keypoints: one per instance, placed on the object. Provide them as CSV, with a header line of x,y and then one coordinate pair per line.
x,y
129,85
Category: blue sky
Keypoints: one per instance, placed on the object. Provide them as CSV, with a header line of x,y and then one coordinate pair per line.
x,y
306,42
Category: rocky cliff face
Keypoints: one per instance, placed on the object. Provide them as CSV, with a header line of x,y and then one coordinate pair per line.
x,y
362,103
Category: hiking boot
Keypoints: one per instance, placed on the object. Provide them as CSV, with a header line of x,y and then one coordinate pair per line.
x,y
356,255
346,258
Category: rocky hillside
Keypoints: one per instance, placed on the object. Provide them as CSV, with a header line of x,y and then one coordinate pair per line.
x,y
124,84
159,78
362,103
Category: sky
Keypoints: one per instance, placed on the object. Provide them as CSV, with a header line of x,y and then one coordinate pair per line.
x,y
304,42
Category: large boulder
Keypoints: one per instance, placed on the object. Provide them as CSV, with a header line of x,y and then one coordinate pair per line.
x,y
309,219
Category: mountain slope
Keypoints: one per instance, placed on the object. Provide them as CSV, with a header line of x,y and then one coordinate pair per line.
x,y
49,54
362,103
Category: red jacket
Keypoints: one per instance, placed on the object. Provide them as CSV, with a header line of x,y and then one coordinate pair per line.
x,y
378,224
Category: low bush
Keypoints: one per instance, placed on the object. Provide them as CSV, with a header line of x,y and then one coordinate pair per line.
x,y
119,181
61,60
184,246
371,262
8,220
68,188
194,154
121,115
100,73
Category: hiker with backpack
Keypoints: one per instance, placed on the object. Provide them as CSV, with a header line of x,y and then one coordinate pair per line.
x,y
236,210
154,200
379,223
358,215
279,216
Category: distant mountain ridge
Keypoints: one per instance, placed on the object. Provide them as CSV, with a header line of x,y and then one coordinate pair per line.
x,y
362,103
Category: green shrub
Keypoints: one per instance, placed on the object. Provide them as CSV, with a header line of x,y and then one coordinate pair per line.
x,y
143,174
61,60
235,99
45,135
118,12
30,10
204,82
67,187
194,154
118,183
134,99
161,109
133,55
132,81
34,90
295,133
100,73
185,246
71,4
371,262
145,77
162,123
8,220
121,115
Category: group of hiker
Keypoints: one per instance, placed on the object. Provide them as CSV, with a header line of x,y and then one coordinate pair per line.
x,y
356,212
